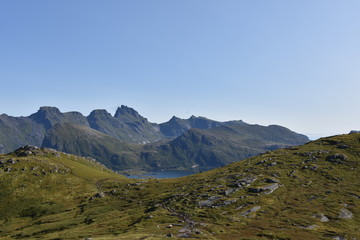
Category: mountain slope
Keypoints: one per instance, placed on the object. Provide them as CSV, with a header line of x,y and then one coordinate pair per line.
x,y
197,149
16,132
218,146
84,141
175,127
19,131
49,116
304,192
126,125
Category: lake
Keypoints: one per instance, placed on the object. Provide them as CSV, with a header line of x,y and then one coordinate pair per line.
x,y
163,174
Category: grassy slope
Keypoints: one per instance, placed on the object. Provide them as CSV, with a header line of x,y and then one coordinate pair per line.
x,y
45,187
208,205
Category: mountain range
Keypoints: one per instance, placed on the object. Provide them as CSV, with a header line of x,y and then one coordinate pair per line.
x,y
310,191
126,140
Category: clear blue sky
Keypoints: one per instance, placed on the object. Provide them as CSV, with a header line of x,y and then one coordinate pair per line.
x,y
293,63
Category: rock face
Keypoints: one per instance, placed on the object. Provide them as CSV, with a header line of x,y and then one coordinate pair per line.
x,y
49,116
176,126
127,125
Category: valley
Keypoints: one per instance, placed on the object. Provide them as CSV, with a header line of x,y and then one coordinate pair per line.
x,y
302,192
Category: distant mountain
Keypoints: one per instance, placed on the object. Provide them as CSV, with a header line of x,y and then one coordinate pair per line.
x,y
218,146
197,149
84,141
49,116
127,125
19,131
175,127
127,140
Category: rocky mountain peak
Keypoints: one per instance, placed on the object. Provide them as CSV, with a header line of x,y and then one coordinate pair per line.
x,y
46,110
99,113
174,119
47,116
125,110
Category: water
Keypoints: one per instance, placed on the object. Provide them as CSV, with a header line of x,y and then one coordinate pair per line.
x,y
163,174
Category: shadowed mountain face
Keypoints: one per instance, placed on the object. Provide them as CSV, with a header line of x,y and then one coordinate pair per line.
x,y
49,116
84,141
127,125
218,146
175,127
127,140
310,191
197,149
19,131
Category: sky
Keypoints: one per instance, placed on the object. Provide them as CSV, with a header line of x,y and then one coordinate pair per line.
x,y
292,63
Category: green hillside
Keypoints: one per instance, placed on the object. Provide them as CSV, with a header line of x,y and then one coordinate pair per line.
x,y
305,192
45,186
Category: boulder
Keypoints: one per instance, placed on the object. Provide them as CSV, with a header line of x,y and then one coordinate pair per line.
x,y
322,217
11,161
252,210
98,195
243,182
337,158
272,180
267,189
345,214
229,191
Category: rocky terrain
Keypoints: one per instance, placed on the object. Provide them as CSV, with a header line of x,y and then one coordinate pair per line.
x,y
304,192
